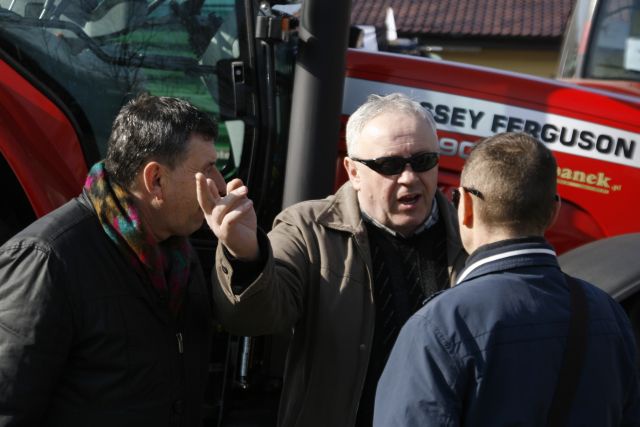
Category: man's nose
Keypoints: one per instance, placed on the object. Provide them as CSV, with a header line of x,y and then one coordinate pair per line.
x,y
218,180
407,174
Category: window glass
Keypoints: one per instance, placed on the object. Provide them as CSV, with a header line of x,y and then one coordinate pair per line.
x,y
574,38
103,52
613,53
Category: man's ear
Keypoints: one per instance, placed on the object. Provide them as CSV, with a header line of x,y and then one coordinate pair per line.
x,y
352,172
466,205
152,180
556,211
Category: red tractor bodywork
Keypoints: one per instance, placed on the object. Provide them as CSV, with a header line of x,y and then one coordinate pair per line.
x,y
593,134
39,143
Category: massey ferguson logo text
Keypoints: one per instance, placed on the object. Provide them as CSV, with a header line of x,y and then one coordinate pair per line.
x,y
598,181
548,133
461,118
473,118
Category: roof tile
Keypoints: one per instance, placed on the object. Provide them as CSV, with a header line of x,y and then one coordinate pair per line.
x,y
484,18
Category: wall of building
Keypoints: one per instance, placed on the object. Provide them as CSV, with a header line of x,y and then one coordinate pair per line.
x,y
541,63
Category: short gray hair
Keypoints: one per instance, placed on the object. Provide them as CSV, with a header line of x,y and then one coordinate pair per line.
x,y
378,104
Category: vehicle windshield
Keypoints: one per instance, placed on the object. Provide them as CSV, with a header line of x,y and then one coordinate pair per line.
x,y
614,51
103,52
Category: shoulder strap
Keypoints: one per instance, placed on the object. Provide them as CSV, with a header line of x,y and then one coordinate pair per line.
x,y
573,358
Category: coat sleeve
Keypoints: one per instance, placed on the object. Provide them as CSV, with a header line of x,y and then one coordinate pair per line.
x,y
273,302
418,386
35,332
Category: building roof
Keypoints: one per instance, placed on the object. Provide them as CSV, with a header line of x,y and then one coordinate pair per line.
x,y
468,18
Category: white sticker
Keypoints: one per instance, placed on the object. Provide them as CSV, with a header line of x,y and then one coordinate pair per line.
x,y
632,54
477,117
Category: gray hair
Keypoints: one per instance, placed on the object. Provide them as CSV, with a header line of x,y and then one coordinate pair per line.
x,y
378,104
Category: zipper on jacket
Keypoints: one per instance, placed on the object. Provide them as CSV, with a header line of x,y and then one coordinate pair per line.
x,y
354,414
180,343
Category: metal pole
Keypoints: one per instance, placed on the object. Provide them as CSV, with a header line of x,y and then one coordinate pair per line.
x,y
317,100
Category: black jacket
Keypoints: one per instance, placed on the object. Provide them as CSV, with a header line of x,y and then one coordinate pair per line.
x,y
86,341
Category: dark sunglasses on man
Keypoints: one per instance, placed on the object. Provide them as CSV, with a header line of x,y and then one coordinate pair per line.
x,y
394,165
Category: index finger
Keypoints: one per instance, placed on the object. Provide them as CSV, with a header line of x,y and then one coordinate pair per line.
x,y
206,192
234,184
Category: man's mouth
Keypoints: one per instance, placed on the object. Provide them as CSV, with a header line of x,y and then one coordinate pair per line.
x,y
410,199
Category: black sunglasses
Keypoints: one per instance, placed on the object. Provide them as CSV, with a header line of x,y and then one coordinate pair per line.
x,y
455,195
394,165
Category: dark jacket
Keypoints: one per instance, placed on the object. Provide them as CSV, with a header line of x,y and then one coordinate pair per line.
x,y
318,280
85,341
488,351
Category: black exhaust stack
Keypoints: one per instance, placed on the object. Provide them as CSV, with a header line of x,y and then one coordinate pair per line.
x,y
317,100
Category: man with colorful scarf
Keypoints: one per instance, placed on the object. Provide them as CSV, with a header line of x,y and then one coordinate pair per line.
x,y
105,318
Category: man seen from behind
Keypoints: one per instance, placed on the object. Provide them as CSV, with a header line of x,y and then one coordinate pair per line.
x,y
495,350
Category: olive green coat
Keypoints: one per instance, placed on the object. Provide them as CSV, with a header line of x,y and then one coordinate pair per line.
x,y
317,282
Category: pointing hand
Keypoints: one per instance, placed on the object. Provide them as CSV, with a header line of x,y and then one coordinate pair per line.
x,y
231,217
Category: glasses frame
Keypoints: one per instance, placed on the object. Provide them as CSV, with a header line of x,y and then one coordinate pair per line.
x,y
377,163
455,195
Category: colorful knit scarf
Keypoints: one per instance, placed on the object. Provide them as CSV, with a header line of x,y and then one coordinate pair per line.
x,y
166,264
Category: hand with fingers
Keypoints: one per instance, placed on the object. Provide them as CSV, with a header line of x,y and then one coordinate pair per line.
x,y
231,217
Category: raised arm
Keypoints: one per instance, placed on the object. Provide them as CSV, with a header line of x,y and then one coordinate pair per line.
x,y
231,217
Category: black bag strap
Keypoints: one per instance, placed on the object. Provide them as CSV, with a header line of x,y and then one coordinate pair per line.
x,y
573,358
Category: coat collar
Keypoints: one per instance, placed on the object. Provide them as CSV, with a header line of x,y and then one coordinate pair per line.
x,y
343,211
343,214
508,254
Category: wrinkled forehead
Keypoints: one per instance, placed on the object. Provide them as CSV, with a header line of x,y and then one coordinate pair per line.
x,y
396,133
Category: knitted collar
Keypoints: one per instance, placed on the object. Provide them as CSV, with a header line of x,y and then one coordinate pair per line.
x,y
166,263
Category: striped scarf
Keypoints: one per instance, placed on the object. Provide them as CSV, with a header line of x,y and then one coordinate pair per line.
x,y
166,263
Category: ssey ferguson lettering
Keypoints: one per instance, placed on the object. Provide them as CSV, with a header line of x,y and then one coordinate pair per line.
x,y
454,116
549,133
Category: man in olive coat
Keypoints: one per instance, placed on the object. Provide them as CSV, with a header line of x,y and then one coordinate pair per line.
x,y
345,272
